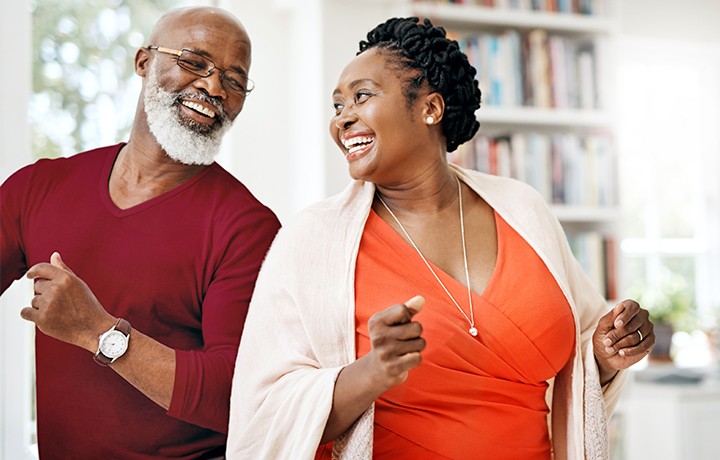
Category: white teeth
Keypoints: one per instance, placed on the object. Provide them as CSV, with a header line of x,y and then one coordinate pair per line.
x,y
356,140
356,148
198,108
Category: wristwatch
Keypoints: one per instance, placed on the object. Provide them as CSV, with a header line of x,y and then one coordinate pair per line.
x,y
113,343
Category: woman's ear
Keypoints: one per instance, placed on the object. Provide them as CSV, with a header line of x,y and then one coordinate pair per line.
x,y
434,108
142,62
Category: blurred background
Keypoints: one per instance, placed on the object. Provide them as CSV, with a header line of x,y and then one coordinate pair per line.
x,y
610,108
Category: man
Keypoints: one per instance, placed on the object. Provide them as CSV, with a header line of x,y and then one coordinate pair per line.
x,y
169,243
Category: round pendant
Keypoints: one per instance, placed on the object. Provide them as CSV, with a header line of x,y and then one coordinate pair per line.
x,y
473,331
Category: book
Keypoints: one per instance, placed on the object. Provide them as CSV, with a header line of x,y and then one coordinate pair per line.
x,y
539,68
533,69
558,72
589,248
586,77
565,168
585,7
611,268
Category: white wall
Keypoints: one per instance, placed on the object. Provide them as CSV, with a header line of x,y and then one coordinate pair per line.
x,y
270,141
687,20
14,129
15,334
345,23
281,148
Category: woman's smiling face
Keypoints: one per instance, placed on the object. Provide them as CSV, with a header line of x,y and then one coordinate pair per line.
x,y
381,136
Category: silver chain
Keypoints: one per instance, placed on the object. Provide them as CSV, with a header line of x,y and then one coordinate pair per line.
x,y
470,320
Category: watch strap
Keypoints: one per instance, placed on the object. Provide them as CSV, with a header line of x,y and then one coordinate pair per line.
x,y
123,326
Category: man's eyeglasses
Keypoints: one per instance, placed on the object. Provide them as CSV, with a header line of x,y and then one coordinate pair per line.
x,y
201,66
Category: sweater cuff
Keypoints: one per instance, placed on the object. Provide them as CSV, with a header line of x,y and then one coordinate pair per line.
x,y
613,389
179,385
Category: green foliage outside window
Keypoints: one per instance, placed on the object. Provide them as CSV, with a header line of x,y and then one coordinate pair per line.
x,y
84,86
671,302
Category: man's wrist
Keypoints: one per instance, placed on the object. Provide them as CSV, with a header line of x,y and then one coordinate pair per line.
x,y
92,337
113,343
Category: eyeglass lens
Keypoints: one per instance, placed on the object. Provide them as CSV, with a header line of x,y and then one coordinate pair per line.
x,y
200,65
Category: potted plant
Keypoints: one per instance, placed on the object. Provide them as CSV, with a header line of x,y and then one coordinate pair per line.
x,y
671,310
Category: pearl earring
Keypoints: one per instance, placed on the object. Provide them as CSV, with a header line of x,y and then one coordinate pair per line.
x,y
430,120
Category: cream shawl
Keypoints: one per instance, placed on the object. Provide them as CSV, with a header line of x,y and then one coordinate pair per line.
x,y
300,330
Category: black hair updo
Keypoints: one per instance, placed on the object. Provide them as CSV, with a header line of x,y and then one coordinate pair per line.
x,y
425,48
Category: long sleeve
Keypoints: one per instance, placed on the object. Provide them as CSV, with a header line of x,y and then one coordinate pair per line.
x,y
180,267
203,377
13,264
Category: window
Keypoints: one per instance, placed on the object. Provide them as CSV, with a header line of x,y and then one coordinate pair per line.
x,y
84,95
669,154
84,85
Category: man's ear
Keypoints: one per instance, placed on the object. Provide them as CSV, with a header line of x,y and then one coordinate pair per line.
x,y
142,62
434,108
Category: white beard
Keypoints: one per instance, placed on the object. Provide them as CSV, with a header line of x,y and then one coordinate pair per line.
x,y
183,140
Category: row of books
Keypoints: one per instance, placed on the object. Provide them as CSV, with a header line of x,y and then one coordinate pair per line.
x,y
589,7
597,255
564,168
533,69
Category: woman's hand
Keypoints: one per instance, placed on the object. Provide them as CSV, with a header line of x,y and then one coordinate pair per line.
x,y
622,338
396,343
396,347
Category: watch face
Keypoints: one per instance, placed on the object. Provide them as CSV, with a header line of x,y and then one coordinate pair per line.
x,y
113,344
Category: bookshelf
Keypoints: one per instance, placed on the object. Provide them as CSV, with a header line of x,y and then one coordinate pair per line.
x,y
569,214
324,35
470,13
535,117
546,116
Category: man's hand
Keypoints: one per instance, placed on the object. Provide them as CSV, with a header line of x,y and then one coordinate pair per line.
x,y
64,307
616,341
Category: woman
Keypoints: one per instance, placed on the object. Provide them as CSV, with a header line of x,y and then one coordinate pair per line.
x,y
507,327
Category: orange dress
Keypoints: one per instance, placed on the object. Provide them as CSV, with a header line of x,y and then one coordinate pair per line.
x,y
477,397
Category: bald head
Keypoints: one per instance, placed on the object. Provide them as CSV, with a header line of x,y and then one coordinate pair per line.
x,y
174,25
180,102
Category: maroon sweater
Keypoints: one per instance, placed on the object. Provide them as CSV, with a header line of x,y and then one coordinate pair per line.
x,y
180,268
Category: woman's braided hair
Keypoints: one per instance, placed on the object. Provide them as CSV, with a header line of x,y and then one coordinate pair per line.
x,y
423,47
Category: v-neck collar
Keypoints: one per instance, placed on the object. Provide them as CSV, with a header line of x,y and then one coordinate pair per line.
x,y
120,213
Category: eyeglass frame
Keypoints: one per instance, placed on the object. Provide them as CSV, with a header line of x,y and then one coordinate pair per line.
x,y
177,53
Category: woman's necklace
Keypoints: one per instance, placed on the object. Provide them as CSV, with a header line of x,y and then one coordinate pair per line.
x,y
470,320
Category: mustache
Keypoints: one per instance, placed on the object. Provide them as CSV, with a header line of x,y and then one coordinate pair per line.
x,y
200,96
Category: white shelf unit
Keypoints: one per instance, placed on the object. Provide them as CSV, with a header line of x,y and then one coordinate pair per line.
x,y
671,421
538,118
467,13
467,19
587,215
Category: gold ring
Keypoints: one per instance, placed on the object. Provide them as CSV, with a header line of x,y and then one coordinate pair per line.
x,y
640,334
